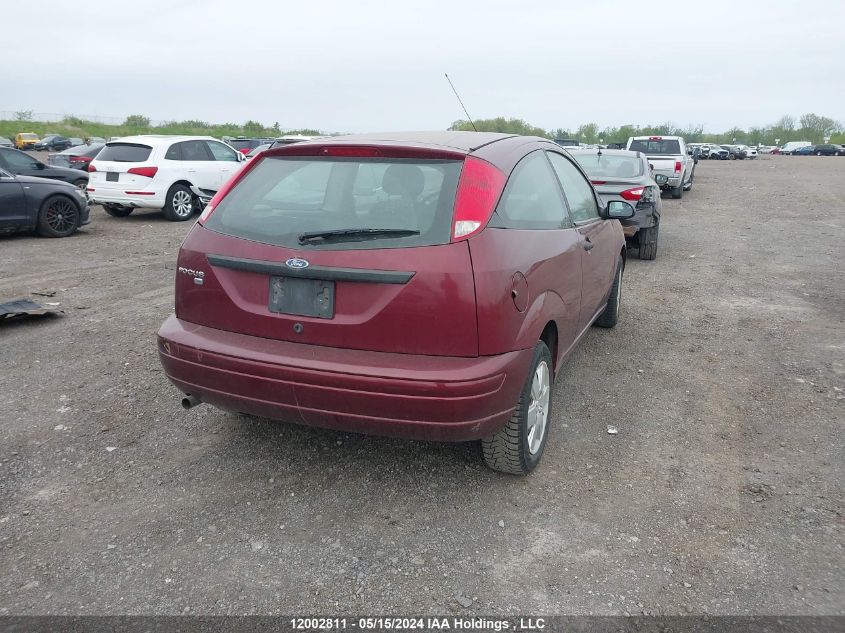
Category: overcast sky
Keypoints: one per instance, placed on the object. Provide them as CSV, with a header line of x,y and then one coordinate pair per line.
x,y
367,65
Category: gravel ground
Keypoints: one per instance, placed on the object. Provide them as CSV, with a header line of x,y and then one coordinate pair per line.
x,y
722,492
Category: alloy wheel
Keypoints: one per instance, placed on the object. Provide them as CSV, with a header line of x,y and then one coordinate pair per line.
x,y
183,205
538,408
61,215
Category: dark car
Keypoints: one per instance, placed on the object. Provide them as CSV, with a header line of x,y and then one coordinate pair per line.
x,y
75,157
829,149
244,145
257,149
422,285
22,164
807,150
627,176
54,209
53,143
6,142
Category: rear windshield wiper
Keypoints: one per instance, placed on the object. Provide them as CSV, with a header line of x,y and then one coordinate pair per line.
x,y
341,235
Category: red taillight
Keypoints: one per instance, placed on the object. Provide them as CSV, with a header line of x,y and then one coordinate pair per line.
x,y
479,189
351,151
226,188
148,172
599,182
633,194
245,150
677,166
91,168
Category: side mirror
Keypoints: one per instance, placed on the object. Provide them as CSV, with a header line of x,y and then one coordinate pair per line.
x,y
619,210
660,179
241,157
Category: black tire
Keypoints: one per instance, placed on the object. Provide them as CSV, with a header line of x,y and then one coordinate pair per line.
x,y
678,192
648,242
180,204
732,156
513,449
610,316
59,216
117,211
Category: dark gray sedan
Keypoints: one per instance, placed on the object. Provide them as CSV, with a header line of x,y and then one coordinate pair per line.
x,y
53,208
618,174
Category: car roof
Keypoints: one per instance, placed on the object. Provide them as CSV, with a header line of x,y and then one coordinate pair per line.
x,y
464,141
159,139
654,137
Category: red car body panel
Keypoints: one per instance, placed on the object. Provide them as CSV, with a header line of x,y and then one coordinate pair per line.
x,y
368,316
402,395
441,356
549,262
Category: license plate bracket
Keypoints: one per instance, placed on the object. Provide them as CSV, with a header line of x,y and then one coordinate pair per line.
x,y
112,176
302,297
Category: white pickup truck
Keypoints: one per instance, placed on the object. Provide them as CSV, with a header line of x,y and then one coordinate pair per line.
x,y
668,156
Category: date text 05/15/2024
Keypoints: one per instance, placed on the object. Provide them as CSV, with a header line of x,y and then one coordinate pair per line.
x,y
418,624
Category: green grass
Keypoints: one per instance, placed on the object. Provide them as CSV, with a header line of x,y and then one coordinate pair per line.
x,y
72,126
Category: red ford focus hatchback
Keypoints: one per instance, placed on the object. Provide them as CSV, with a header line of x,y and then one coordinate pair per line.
x,y
420,285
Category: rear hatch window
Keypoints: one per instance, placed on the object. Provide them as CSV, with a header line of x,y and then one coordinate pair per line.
x,y
669,147
605,166
244,144
125,153
357,203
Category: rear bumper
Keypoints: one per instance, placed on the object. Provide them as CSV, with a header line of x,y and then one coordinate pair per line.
x,y
398,395
645,216
98,195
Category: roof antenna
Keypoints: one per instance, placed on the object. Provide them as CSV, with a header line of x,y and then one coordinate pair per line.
x,y
461,102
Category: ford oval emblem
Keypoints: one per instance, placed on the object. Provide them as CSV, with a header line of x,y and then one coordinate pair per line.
x,y
297,263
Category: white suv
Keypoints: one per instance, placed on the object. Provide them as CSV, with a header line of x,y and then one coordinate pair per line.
x,y
157,172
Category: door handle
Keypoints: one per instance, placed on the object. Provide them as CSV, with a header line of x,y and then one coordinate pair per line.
x,y
587,244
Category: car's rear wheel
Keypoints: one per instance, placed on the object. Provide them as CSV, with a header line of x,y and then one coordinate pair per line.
x,y
610,316
818,153
117,211
648,242
180,204
518,446
678,192
58,217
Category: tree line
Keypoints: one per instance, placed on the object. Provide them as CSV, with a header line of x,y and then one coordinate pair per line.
x,y
808,127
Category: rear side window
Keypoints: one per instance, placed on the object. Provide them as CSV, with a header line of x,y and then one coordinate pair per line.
x,y
532,198
578,192
657,147
125,152
283,197
221,152
18,160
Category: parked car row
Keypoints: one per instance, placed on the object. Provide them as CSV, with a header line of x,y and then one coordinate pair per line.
x,y
826,149
714,151
51,142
